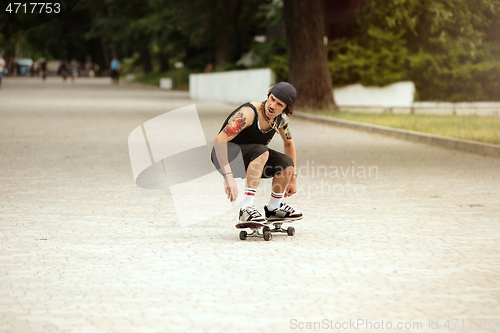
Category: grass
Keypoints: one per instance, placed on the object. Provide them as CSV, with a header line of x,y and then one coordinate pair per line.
x,y
180,82
483,129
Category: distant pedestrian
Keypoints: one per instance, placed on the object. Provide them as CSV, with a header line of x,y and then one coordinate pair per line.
x,y
95,69
88,68
2,67
73,70
11,68
43,68
63,69
209,68
116,65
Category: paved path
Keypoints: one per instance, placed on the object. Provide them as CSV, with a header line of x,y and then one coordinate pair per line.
x,y
83,249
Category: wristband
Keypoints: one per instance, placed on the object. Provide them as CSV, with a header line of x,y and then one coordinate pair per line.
x,y
296,175
227,173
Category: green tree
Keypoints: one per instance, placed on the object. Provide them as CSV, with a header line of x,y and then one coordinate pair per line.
x,y
124,26
380,61
3,29
64,37
450,49
223,28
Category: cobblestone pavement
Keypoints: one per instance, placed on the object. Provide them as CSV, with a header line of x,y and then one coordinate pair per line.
x,y
83,249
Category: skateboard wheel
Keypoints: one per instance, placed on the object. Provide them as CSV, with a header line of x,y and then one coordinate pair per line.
x,y
267,236
243,235
290,231
266,228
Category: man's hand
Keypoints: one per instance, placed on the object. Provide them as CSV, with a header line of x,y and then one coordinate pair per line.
x,y
230,187
291,188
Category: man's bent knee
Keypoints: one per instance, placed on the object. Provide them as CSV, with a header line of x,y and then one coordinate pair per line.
x,y
287,172
262,158
258,163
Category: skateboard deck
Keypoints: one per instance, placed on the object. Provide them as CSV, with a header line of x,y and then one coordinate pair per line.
x,y
266,229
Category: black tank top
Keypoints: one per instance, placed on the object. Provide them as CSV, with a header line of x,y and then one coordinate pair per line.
x,y
252,134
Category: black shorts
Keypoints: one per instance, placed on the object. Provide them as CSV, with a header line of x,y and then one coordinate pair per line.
x,y
276,162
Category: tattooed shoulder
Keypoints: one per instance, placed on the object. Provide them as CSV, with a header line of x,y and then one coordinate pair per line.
x,y
288,134
284,121
235,125
286,127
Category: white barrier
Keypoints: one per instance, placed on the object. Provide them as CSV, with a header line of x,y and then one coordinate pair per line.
x,y
231,87
491,109
166,83
398,98
252,85
395,95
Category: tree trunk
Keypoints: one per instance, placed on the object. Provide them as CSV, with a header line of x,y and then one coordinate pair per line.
x,y
105,53
224,52
164,62
98,7
307,57
146,60
227,38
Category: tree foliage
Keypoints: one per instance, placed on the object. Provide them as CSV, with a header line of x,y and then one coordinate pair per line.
x,y
196,32
378,62
450,49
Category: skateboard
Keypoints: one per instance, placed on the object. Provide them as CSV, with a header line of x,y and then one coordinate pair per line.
x,y
266,229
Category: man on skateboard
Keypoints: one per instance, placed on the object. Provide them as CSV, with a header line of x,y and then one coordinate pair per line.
x,y
248,130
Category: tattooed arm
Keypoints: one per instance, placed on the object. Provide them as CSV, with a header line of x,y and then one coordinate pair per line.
x,y
238,122
289,148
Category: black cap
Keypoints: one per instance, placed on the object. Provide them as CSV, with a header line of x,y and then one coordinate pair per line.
x,y
285,92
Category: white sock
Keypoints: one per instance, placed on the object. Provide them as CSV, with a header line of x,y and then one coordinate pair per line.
x,y
275,200
249,195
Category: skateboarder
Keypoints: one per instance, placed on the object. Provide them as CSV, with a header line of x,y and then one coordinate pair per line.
x,y
248,130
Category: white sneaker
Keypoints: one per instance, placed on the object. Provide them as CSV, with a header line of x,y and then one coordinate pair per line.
x,y
250,214
284,212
